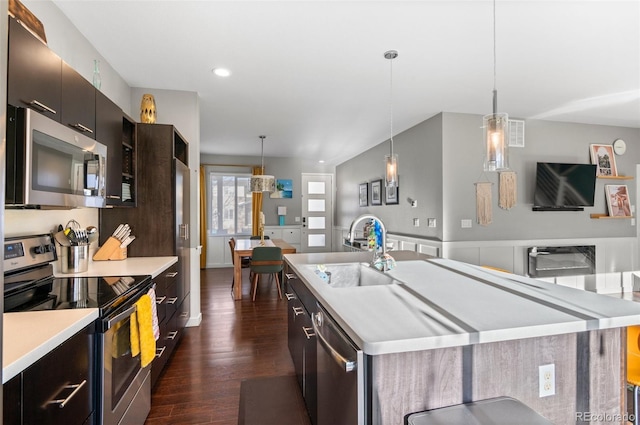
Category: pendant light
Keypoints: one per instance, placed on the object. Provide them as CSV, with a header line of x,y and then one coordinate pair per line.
x,y
495,125
262,182
391,160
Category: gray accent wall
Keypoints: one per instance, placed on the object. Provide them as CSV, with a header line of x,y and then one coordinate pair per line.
x,y
420,164
441,158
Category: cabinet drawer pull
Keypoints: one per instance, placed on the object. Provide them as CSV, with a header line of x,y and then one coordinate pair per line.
x,y
63,402
298,311
172,274
82,128
172,300
113,197
308,332
160,300
184,315
290,296
290,276
42,106
172,335
160,352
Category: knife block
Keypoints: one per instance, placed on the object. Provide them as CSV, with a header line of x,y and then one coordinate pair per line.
x,y
110,250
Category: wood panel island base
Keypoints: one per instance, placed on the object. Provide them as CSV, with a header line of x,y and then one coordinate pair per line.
x,y
438,333
589,377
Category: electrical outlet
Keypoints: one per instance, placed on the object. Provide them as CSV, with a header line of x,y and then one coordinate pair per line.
x,y
465,224
547,379
431,222
416,222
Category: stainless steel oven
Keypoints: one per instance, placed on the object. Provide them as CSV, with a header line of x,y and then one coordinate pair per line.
x,y
126,386
122,394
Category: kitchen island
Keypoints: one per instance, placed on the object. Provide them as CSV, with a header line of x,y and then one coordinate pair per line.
x,y
444,332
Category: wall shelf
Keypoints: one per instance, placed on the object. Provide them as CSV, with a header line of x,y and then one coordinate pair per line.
x,y
616,177
598,216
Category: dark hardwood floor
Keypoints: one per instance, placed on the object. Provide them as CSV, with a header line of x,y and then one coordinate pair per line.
x,y
236,340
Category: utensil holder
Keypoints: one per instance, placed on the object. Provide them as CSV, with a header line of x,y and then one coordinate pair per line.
x,y
74,259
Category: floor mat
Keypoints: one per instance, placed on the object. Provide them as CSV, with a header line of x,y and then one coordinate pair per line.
x,y
272,401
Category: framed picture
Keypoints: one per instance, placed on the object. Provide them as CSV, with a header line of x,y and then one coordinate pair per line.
x,y
618,201
284,189
376,192
602,156
364,194
391,195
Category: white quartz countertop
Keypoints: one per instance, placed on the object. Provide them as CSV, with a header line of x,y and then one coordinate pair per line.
x,y
438,303
29,336
133,266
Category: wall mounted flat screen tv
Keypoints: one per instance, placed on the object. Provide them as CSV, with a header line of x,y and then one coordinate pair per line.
x,y
561,186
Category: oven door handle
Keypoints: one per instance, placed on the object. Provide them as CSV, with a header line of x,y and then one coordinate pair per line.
x,y
128,312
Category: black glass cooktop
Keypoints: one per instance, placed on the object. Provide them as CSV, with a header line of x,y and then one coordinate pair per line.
x,y
104,293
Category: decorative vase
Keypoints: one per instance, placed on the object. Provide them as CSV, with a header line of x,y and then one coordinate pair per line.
x,y
148,109
97,79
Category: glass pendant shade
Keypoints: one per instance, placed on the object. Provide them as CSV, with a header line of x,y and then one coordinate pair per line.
x,y
262,183
495,142
391,167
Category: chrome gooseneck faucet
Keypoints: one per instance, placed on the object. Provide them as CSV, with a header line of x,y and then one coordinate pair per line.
x,y
377,255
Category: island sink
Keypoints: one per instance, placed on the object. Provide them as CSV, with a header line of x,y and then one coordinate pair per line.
x,y
350,275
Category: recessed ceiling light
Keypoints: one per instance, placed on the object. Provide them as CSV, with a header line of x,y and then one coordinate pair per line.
x,y
221,72
321,161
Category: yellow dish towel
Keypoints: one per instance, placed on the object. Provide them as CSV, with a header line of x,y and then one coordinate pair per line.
x,y
142,340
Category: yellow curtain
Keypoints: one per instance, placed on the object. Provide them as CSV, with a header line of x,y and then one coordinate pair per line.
x,y
203,219
256,204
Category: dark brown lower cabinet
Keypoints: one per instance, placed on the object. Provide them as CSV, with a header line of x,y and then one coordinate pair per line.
x,y
57,389
172,318
302,341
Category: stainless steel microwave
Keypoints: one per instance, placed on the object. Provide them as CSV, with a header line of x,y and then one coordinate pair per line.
x,y
50,165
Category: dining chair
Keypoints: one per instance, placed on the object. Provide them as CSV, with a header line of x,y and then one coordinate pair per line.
x,y
245,261
633,366
266,260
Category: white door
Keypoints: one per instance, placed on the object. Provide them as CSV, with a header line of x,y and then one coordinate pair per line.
x,y
317,212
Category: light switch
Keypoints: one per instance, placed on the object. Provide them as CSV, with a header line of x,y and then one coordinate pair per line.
x,y
431,222
465,224
416,222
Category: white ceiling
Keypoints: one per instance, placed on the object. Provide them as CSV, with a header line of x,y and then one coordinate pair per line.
x,y
311,75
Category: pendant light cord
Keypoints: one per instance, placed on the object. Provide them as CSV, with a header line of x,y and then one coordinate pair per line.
x,y
391,55
495,90
391,101
262,154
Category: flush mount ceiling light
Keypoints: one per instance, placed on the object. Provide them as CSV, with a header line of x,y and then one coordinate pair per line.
x,y
391,160
262,182
496,124
221,72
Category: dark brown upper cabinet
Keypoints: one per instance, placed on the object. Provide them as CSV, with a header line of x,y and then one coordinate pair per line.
x,y
78,102
34,73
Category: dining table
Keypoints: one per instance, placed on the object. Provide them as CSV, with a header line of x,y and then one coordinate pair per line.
x,y
244,248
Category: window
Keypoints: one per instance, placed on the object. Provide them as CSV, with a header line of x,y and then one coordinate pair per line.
x,y
229,199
